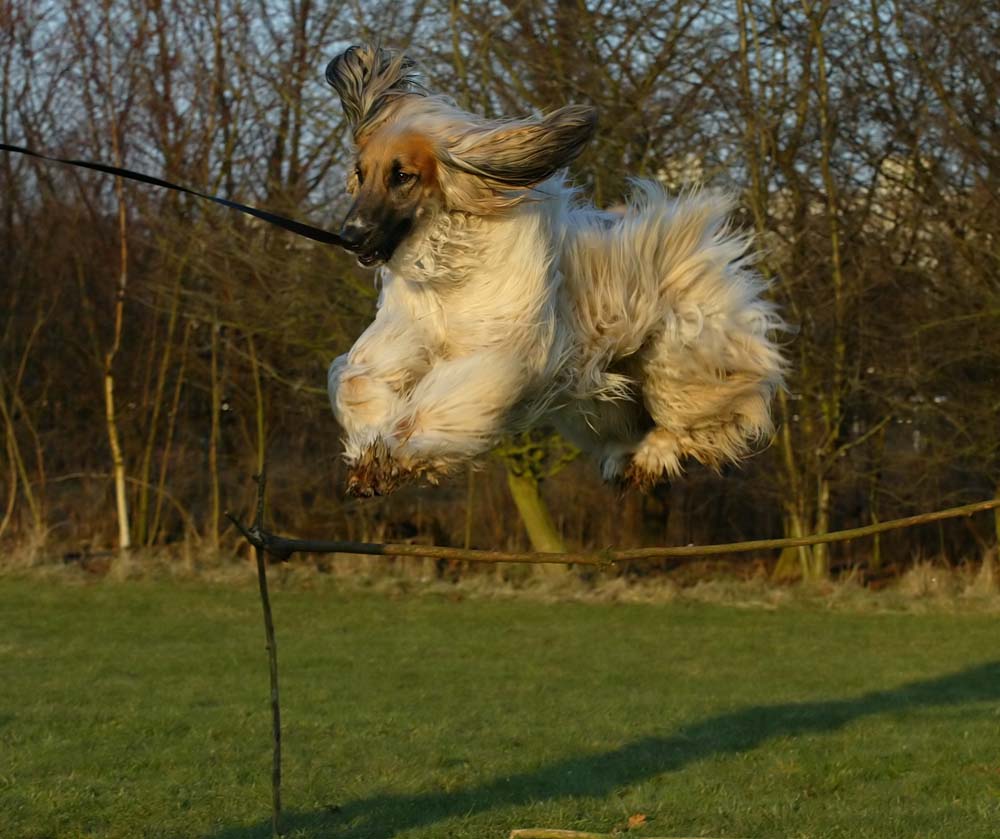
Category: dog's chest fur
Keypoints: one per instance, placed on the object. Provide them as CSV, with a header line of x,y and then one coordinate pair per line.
x,y
472,284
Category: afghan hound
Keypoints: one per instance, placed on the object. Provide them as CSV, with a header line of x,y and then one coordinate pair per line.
x,y
506,301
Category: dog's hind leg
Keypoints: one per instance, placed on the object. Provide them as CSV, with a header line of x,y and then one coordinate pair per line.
x,y
709,363
708,395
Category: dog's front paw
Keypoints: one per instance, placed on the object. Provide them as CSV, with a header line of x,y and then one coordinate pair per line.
x,y
375,472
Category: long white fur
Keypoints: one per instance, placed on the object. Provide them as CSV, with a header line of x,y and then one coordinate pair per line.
x,y
643,336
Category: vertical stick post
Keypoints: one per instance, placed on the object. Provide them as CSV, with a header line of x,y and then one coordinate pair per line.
x,y
272,657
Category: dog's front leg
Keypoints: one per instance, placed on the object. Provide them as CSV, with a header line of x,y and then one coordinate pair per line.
x,y
456,412
369,386
366,402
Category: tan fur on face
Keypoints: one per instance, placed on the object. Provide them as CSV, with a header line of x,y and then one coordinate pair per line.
x,y
483,169
379,154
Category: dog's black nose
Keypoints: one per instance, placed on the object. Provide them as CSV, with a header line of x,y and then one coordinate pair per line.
x,y
354,234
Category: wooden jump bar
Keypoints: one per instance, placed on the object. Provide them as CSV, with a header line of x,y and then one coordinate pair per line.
x,y
282,547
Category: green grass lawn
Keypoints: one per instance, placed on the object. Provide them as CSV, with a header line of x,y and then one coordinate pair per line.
x,y
141,709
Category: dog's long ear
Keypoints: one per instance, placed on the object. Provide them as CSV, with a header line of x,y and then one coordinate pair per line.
x,y
518,155
367,78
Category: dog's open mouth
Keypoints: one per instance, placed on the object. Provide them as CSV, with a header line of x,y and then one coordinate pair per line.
x,y
370,259
380,248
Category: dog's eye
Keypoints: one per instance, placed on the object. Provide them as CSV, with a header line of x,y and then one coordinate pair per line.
x,y
401,178
359,175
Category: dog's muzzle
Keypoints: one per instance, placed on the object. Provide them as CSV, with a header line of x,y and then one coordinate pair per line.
x,y
374,244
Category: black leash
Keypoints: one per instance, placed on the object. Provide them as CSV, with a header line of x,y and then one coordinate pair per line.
x,y
315,233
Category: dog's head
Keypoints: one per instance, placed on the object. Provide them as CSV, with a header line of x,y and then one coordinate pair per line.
x,y
418,155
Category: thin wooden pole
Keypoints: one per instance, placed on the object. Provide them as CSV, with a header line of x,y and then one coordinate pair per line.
x,y
272,658
282,547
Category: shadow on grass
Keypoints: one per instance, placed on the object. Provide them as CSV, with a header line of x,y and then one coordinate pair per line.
x,y
600,774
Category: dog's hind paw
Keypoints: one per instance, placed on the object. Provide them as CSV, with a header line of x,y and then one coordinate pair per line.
x,y
375,472
656,460
638,478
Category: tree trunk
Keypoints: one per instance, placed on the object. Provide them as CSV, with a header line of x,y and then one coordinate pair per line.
x,y
111,418
819,567
996,523
874,483
541,529
795,520
215,394
154,530
117,460
469,491
143,534
792,562
17,471
260,414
